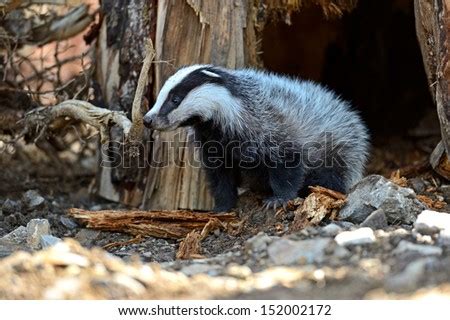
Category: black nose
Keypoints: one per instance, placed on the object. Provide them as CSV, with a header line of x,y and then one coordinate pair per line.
x,y
148,122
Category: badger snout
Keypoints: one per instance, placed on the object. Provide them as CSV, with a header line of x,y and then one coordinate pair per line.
x,y
158,122
148,120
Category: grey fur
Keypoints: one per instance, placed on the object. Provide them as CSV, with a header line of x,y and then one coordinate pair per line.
x,y
269,110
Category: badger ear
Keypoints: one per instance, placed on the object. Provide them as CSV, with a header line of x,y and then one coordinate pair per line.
x,y
211,74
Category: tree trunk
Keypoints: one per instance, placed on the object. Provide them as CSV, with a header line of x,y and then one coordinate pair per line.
x,y
184,32
433,32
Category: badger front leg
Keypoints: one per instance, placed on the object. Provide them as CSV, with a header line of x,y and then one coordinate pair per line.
x,y
223,183
285,184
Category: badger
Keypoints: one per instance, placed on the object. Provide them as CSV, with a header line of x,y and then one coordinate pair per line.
x,y
280,134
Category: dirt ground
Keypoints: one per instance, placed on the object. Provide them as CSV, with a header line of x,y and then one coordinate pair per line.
x,y
245,265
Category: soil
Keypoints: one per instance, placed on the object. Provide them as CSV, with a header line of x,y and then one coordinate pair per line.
x,y
238,263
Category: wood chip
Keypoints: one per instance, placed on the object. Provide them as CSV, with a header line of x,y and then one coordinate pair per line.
x,y
321,204
430,203
398,179
190,246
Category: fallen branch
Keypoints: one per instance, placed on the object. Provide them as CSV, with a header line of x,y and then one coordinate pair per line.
x,y
175,224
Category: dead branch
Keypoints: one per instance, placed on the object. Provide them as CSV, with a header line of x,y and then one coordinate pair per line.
x,y
174,224
14,4
137,127
38,120
42,30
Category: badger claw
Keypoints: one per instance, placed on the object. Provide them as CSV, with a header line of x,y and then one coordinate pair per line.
x,y
274,203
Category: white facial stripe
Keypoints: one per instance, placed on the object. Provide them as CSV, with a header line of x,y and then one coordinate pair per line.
x,y
173,80
209,101
211,74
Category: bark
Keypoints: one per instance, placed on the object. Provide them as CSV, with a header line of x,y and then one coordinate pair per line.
x,y
121,46
433,31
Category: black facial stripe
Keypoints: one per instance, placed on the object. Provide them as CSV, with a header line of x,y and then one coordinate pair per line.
x,y
194,80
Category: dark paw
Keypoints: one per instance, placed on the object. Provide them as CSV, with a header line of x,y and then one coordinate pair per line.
x,y
274,203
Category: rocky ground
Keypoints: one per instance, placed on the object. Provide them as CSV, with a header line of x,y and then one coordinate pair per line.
x,y
391,239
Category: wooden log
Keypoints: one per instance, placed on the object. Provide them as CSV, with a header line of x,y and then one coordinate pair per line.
x,y
207,31
433,32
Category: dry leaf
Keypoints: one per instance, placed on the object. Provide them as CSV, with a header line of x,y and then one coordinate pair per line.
x,y
430,203
398,179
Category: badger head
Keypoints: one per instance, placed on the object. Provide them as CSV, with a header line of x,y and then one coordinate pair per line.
x,y
192,95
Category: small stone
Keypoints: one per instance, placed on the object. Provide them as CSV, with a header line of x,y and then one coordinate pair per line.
x,y
87,237
48,240
13,241
356,237
444,237
376,220
417,184
376,192
35,229
331,230
10,207
341,252
346,225
431,222
422,249
258,243
197,268
409,278
285,252
238,271
10,220
19,235
68,222
33,199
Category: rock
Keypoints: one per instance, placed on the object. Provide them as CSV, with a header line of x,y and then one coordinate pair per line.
x,y
341,252
285,252
68,222
10,220
422,249
13,241
87,237
346,225
196,268
376,192
409,278
444,237
238,271
356,237
10,207
48,240
33,199
331,230
18,235
258,243
35,229
417,184
431,222
376,220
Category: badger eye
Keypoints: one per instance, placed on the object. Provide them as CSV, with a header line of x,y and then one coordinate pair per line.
x,y
176,99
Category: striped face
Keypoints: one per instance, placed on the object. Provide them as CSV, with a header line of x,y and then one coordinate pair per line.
x,y
193,94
